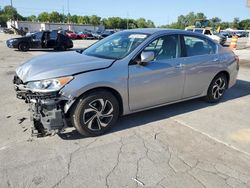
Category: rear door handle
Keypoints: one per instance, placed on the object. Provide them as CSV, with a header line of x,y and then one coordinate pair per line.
x,y
179,66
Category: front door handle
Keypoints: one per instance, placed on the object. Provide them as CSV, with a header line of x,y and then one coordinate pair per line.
x,y
216,60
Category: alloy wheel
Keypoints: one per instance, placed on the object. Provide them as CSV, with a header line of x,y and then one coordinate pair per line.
x,y
98,114
218,88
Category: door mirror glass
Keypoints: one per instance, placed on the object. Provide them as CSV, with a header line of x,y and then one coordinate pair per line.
x,y
146,57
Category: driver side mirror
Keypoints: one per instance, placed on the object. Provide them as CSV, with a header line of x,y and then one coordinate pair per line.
x,y
146,57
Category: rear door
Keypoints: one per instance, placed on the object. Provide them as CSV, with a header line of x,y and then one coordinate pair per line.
x,y
201,63
159,81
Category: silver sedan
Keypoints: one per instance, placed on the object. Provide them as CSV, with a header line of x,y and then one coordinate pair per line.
x,y
127,72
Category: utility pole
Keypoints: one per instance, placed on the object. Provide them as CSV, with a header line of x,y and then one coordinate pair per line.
x,y
68,13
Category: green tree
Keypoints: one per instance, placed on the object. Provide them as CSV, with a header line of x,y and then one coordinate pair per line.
x,y
201,15
215,22
9,12
235,23
74,19
43,17
141,23
150,24
31,18
55,17
244,24
95,20
115,23
224,25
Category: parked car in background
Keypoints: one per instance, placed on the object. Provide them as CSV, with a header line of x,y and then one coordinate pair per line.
x,y
71,34
85,35
227,34
208,32
241,34
43,39
127,72
106,33
97,35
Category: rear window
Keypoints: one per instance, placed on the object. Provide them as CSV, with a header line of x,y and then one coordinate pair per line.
x,y
199,46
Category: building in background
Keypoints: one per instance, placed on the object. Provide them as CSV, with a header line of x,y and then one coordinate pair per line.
x,y
39,26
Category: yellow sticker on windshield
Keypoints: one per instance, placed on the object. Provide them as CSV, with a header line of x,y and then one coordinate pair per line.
x,y
137,36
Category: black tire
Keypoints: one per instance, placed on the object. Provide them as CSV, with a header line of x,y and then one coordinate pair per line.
x,y
23,46
217,88
95,113
63,47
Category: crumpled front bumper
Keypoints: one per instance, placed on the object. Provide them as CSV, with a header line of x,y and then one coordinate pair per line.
x,y
47,110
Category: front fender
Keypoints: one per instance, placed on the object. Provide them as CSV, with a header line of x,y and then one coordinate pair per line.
x,y
82,83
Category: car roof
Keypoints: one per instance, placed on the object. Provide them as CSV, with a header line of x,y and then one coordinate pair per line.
x,y
152,31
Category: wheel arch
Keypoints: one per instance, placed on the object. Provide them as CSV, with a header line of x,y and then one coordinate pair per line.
x,y
226,73
104,88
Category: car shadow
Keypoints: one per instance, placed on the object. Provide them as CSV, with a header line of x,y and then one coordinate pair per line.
x,y
241,89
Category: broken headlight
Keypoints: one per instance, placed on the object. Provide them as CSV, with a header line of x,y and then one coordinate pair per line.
x,y
49,85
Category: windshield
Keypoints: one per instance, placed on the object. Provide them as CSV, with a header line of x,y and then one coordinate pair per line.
x,y
116,46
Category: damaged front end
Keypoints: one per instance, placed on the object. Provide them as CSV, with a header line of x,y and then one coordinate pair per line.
x,y
47,109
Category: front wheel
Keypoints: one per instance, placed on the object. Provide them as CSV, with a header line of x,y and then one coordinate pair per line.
x,y
217,88
23,46
95,113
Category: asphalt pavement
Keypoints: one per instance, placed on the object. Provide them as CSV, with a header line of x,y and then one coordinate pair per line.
x,y
189,144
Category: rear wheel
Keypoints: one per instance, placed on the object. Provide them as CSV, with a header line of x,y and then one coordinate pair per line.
x,y
63,48
23,46
217,88
95,113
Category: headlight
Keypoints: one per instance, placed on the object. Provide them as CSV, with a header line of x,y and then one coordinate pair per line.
x,y
49,85
12,40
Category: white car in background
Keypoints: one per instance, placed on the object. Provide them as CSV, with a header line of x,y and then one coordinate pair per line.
x,y
216,37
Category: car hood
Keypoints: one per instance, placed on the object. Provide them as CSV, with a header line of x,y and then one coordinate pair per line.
x,y
20,38
59,64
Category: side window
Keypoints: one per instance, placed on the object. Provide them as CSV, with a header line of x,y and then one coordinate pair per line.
x,y
53,35
167,47
207,32
37,35
198,46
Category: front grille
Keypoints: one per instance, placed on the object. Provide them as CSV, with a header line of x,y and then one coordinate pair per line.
x,y
41,96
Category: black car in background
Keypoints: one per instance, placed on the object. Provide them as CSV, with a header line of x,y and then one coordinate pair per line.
x,y
42,39
242,33
106,34
227,34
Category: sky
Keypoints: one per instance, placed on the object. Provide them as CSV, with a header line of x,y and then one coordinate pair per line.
x,y
160,11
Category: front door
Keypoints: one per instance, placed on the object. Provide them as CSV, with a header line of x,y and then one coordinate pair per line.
x,y
160,81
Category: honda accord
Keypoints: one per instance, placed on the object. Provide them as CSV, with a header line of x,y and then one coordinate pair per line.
x,y
127,72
